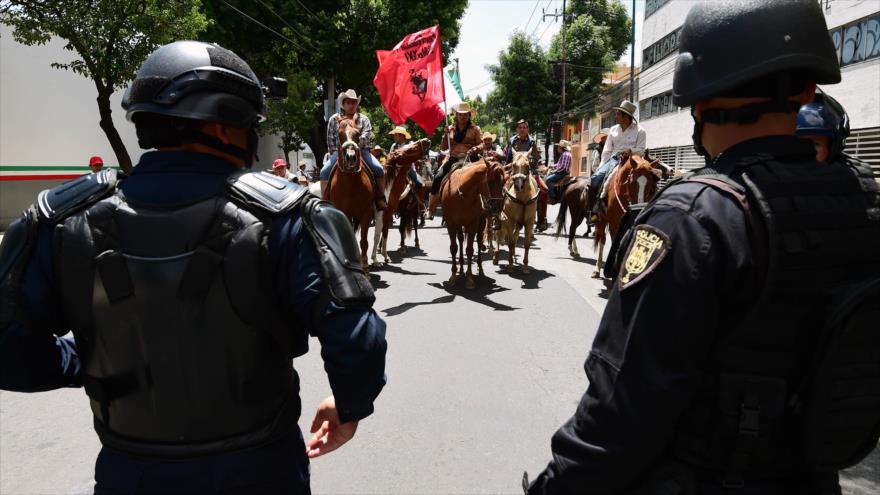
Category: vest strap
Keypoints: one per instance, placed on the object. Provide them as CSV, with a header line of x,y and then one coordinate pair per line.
x,y
114,274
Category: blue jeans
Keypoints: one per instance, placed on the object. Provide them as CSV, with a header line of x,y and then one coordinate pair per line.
x,y
413,176
599,176
551,181
369,159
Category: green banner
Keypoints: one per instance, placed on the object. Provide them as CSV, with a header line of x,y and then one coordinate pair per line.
x,y
455,79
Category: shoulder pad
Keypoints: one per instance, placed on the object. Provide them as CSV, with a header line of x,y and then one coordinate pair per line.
x,y
56,204
267,192
340,253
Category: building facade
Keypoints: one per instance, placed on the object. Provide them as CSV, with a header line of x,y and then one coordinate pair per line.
x,y
854,26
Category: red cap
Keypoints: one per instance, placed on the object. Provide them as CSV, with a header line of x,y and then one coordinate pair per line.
x,y
279,163
96,160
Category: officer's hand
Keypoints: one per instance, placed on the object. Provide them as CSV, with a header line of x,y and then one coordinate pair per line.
x,y
329,435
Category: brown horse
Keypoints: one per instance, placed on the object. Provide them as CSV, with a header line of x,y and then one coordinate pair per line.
x,y
410,210
396,169
520,207
575,197
495,178
350,188
463,196
634,181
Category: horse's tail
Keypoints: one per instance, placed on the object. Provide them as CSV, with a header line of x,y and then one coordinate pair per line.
x,y
560,217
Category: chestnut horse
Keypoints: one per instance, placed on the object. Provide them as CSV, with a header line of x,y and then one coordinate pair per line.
x,y
396,169
496,177
350,188
520,207
634,181
463,197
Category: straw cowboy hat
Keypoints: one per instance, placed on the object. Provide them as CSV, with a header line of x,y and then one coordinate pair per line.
x,y
603,134
348,94
464,107
566,145
628,108
400,130
488,135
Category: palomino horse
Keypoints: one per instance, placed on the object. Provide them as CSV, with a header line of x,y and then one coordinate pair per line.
x,y
575,198
634,181
396,169
520,207
463,196
351,189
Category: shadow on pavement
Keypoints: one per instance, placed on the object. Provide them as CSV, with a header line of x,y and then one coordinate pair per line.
x,y
403,308
529,280
411,252
479,294
586,261
396,269
376,281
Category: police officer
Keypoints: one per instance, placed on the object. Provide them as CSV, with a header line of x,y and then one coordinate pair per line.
x,y
758,383
825,122
189,289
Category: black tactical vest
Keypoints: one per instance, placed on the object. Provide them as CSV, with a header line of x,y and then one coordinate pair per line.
x,y
794,387
185,352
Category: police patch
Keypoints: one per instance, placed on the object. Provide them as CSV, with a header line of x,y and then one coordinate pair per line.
x,y
646,250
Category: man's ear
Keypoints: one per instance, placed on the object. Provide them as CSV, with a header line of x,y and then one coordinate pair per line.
x,y
808,94
221,132
698,108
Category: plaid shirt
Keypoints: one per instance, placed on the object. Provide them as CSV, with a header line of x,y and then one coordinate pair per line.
x,y
363,124
564,163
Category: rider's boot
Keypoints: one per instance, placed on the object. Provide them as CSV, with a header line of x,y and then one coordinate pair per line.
x,y
380,193
432,206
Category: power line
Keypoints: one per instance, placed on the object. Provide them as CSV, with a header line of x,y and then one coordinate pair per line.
x,y
276,33
307,9
542,20
304,37
526,27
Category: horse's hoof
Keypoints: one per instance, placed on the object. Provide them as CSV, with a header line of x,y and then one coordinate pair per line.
x,y
452,280
470,283
595,275
494,262
526,270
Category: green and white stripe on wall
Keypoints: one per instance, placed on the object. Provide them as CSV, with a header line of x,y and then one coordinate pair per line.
x,y
44,172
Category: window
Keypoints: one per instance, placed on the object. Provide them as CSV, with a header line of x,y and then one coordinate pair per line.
x,y
656,106
652,6
857,41
661,49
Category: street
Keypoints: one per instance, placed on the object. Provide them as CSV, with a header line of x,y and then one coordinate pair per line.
x,y
478,381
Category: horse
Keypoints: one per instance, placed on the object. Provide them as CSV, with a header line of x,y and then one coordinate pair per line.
x,y
410,211
634,181
495,178
520,207
350,188
575,196
463,196
396,169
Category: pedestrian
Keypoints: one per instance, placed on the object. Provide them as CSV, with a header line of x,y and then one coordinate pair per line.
x,y
279,168
561,170
402,138
759,383
348,103
189,288
824,122
301,167
96,163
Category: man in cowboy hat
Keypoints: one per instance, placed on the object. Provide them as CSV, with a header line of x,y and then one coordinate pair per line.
x,y
489,148
348,101
402,138
460,139
560,170
626,135
596,149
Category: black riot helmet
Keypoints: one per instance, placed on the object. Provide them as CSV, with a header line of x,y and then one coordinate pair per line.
x,y
185,83
825,116
725,44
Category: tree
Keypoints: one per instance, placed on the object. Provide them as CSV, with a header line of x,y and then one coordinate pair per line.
x,y
597,33
523,86
291,118
111,38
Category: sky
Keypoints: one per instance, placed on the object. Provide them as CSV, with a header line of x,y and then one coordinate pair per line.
x,y
486,28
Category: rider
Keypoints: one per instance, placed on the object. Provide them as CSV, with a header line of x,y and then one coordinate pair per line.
x,y
825,122
560,170
459,140
627,136
402,138
489,149
522,142
348,101
189,288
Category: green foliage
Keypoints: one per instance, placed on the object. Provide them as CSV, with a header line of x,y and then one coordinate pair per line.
x,y
292,117
524,88
597,33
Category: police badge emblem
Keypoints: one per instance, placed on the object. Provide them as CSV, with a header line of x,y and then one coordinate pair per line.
x,y
648,247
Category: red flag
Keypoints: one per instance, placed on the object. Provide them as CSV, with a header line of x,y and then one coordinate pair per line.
x,y
410,79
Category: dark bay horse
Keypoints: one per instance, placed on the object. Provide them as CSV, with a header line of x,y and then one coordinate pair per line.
x,y
396,169
463,197
575,197
634,181
350,188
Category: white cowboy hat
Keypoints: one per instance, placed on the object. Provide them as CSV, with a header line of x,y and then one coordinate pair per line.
x,y
464,107
488,135
348,94
628,108
400,130
564,144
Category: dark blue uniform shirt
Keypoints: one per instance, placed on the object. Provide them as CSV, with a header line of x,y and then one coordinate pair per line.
x,y
33,356
653,342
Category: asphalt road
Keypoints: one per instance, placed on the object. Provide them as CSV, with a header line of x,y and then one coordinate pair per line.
x,y
478,380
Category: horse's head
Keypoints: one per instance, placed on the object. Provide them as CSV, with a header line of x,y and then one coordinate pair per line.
x,y
495,177
349,147
519,169
410,153
640,179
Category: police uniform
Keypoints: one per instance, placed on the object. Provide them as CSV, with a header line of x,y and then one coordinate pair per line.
x,y
719,354
189,289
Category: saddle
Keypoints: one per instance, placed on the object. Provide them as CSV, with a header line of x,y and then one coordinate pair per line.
x,y
461,163
335,167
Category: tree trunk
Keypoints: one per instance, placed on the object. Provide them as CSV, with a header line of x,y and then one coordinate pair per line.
x,y
318,137
112,134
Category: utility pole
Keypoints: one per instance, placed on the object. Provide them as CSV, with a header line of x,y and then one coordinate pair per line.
x,y
555,15
632,59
